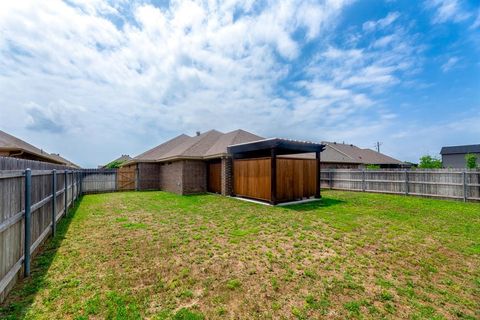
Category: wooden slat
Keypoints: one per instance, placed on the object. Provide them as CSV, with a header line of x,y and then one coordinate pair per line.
x,y
251,178
11,221
11,274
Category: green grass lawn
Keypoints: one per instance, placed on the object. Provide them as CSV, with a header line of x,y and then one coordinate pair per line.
x,y
161,256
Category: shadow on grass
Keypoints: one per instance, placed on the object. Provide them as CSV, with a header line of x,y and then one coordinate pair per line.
x,y
23,293
315,205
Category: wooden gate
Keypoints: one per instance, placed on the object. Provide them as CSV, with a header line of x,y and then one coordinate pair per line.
x,y
252,178
126,178
215,177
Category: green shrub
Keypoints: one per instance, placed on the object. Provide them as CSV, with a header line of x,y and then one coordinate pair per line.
x,y
471,161
429,162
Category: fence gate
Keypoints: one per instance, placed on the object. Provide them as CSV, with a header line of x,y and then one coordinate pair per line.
x,y
126,178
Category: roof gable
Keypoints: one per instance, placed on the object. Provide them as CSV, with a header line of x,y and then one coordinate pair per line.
x,y
231,138
158,151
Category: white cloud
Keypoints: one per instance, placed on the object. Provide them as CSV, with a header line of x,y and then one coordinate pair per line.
x,y
447,10
372,25
120,83
450,64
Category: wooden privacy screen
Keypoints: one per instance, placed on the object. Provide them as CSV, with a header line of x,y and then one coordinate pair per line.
x,y
252,178
126,178
296,178
215,177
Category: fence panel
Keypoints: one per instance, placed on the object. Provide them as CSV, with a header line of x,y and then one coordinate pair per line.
x,y
13,225
444,183
99,180
8,163
295,178
251,178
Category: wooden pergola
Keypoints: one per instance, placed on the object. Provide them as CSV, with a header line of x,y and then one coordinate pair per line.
x,y
268,150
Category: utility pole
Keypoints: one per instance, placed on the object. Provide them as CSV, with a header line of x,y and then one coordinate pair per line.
x,y
377,146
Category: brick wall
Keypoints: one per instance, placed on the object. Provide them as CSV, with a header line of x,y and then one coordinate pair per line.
x,y
194,177
227,187
171,177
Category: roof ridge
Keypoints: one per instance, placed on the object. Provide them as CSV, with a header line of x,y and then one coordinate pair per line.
x,y
339,151
203,136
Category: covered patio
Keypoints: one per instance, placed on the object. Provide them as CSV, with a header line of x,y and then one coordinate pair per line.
x,y
262,170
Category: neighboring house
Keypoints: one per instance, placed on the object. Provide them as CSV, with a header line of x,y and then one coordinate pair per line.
x,y
11,146
454,156
347,156
117,162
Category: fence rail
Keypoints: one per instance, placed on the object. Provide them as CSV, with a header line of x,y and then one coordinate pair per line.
x,y
443,183
31,203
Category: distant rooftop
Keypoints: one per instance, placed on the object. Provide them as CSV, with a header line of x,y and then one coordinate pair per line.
x,y
14,145
471,148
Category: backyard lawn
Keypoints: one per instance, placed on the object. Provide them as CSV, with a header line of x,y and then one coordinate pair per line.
x,y
157,255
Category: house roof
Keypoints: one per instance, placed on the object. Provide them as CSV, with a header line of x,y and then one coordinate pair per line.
x,y
472,148
209,144
14,144
348,153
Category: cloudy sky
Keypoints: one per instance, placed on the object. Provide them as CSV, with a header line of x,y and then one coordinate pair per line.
x,y
95,79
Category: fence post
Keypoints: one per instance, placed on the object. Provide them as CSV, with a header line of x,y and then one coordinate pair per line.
x,y
73,187
28,221
80,181
54,201
406,182
363,180
66,192
465,189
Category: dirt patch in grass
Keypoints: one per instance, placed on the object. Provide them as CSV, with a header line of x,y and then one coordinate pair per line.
x,y
160,256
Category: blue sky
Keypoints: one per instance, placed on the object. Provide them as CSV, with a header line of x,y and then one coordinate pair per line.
x,y
96,79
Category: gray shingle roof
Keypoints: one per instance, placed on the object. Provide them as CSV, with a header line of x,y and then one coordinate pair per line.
x,y
347,153
209,144
472,148
11,143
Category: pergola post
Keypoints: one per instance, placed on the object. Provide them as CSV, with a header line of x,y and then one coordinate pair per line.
x,y
273,176
317,182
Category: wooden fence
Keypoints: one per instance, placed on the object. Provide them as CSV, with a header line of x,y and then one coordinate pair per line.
x,y
7,163
99,180
31,203
442,183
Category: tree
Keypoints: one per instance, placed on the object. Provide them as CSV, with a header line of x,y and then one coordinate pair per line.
x,y
429,162
114,164
471,161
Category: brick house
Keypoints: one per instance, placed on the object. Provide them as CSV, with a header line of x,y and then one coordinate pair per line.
x,y
202,163
188,165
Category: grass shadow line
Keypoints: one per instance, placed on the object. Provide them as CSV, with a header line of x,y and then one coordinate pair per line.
x,y
325,202
20,298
